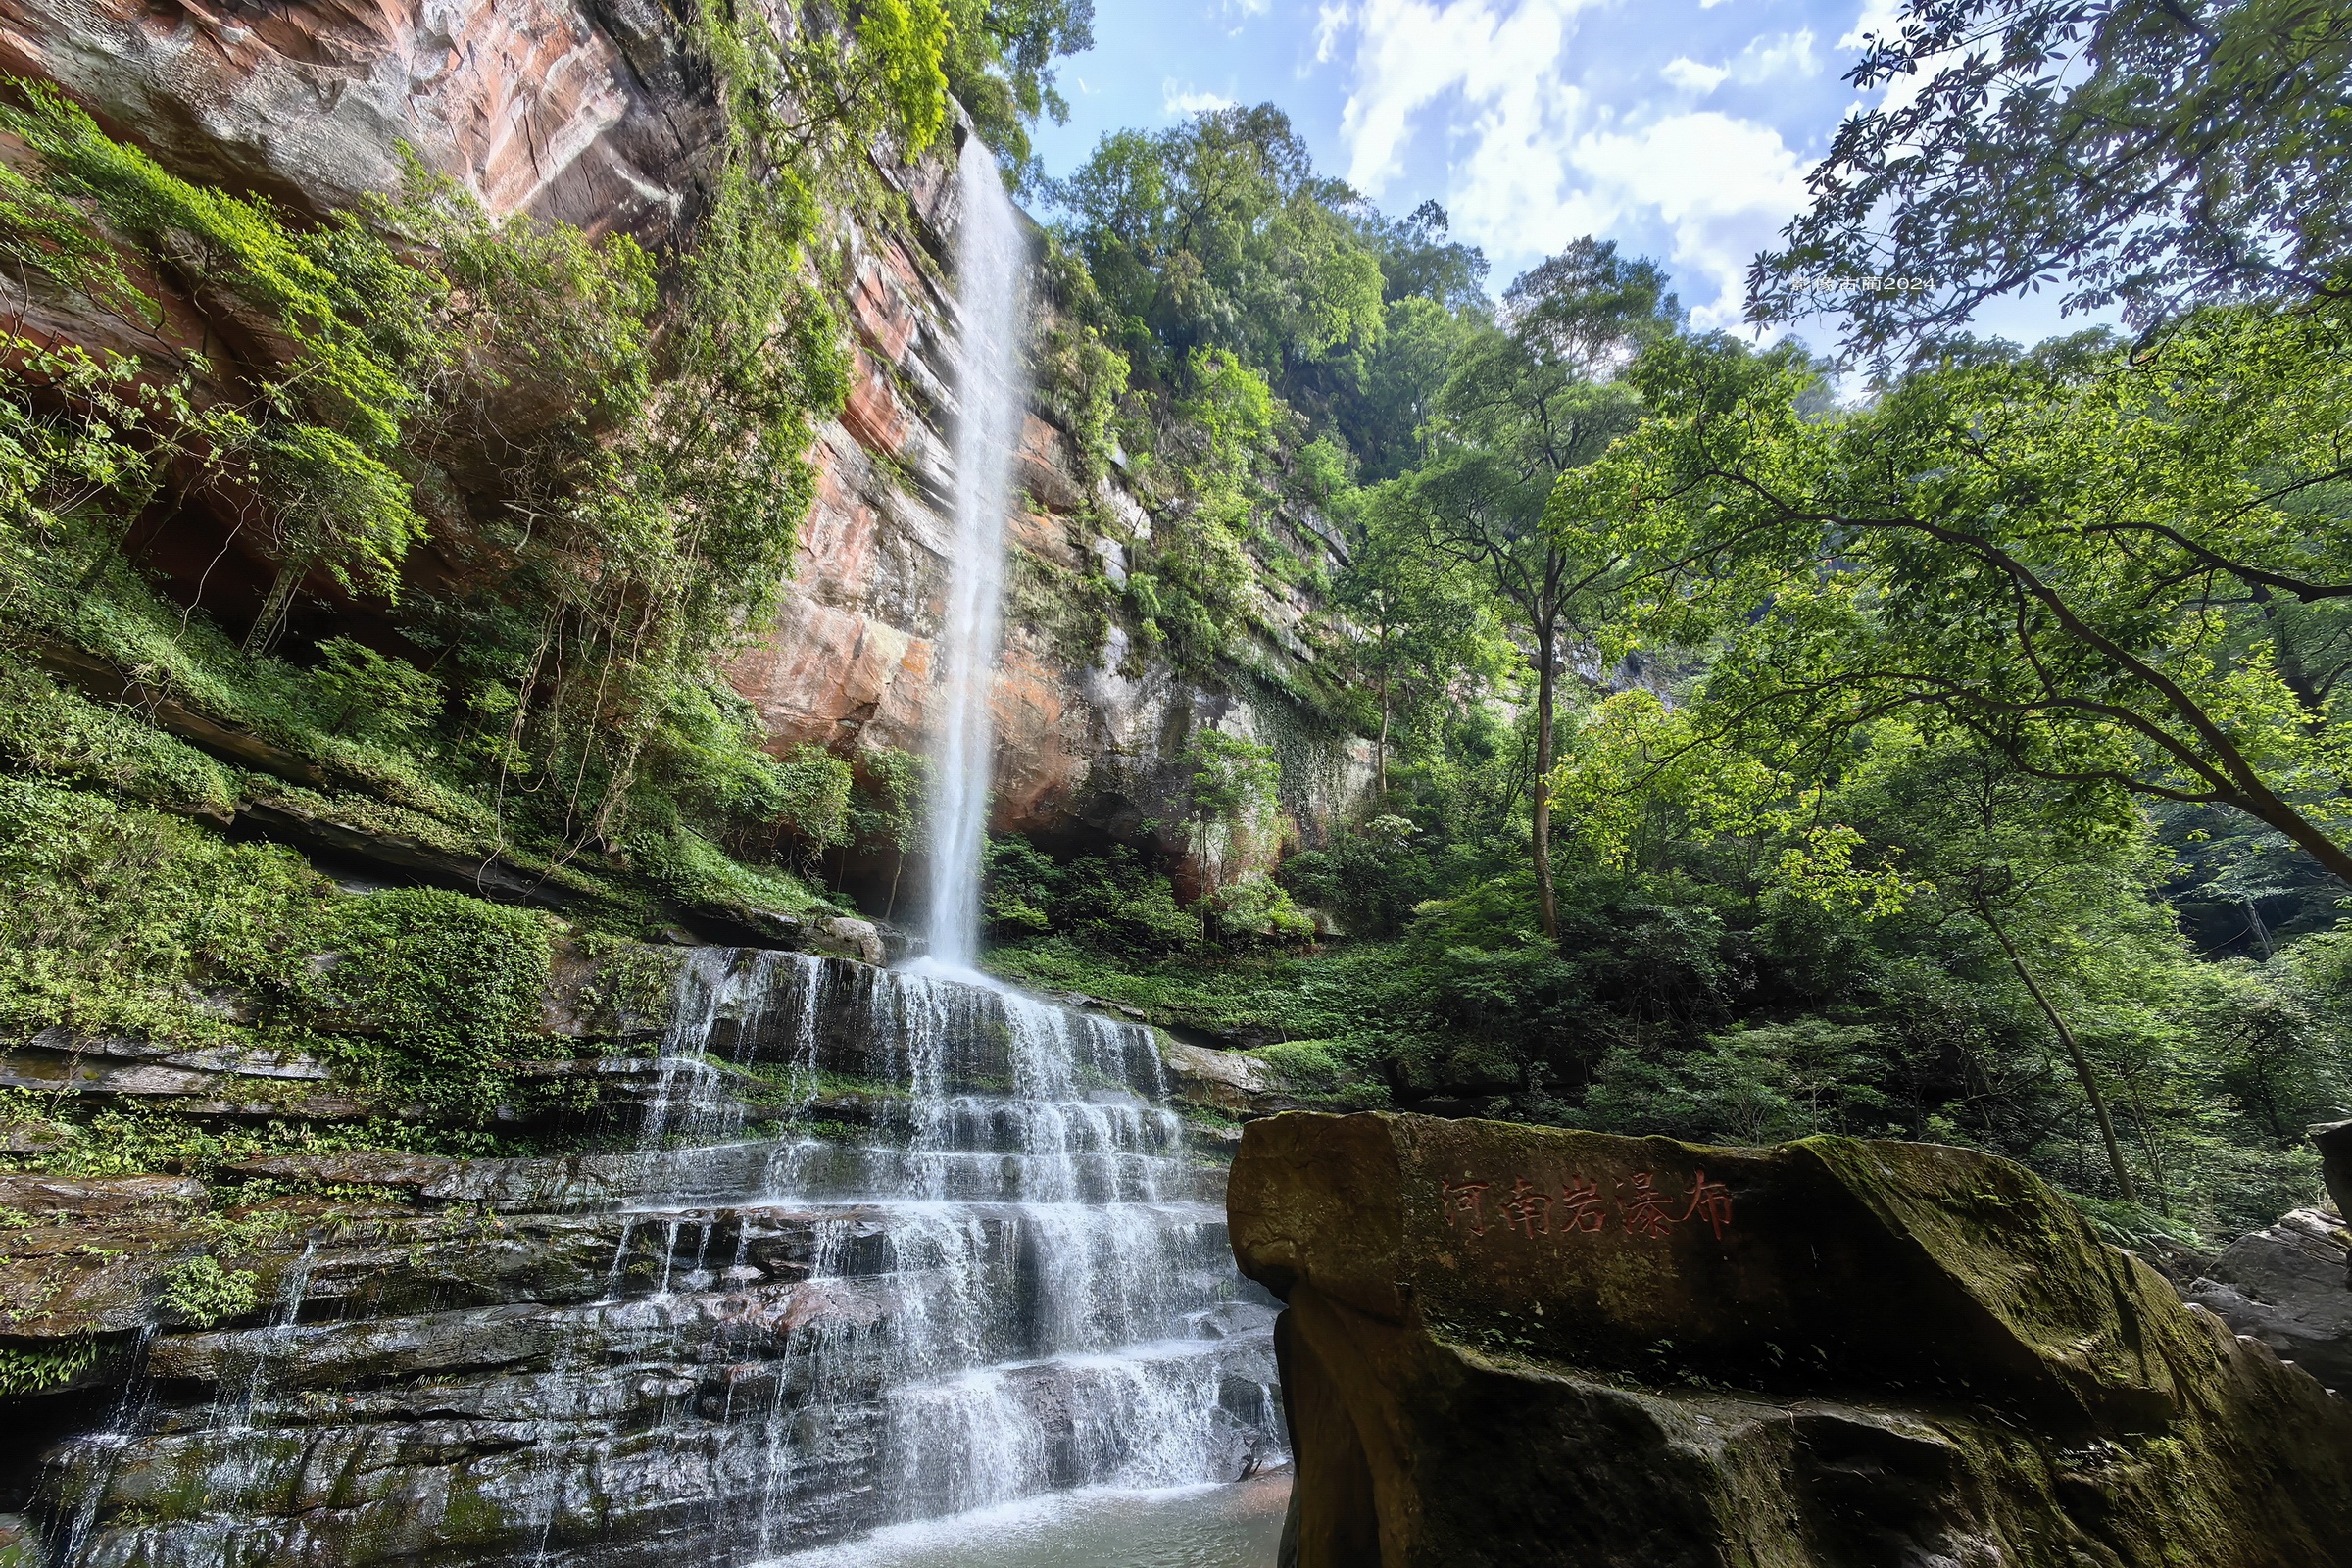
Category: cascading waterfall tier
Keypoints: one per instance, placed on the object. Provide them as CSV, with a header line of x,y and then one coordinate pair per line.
x,y
969,1259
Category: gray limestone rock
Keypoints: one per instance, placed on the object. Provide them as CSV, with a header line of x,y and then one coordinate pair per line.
x,y
2286,1285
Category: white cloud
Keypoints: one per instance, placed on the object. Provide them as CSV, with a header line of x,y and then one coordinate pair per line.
x,y
1689,74
1709,5
1721,185
1533,159
1177,100
1880,16
1331,20
1785,54
1411,53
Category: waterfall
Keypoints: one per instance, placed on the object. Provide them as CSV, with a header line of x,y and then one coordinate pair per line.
x,y
857,1249
991,263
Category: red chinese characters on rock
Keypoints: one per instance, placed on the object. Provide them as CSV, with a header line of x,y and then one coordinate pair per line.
x,y
1640,1207
1462,1199
1583,1207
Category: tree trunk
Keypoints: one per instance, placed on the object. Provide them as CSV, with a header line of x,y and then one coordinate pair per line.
x,y
1549,902
2074,1052
273,607
1380,752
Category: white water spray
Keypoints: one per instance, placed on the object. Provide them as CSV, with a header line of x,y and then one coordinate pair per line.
x,y
990,263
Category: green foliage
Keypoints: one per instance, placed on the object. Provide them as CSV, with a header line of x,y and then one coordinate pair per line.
x,y
1256,908
1758,1084
201,1292
999,62
632,980
693,870
449,985
117,919
1231,798
1113,903
60,735
1218,234
374,694
2153,153
25,1371
1194,588
2068,555
639,443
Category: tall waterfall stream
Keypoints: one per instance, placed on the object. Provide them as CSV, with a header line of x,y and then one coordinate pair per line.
x,y
971,1264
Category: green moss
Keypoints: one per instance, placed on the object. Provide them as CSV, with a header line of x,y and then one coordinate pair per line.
x,y
632,982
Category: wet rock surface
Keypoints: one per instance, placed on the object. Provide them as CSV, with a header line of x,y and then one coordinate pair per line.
x,y
749,1327
1512,1346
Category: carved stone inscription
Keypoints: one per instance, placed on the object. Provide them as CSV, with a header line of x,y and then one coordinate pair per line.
x,y
1637,1205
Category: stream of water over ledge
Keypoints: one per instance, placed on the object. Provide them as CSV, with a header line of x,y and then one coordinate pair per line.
x,y
974,1262
878,1249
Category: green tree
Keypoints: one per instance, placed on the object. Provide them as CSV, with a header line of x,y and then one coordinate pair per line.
x,y
999,62
2065,556
1989,848
1523,405
2152,153
1418,633
1219,234
1228,790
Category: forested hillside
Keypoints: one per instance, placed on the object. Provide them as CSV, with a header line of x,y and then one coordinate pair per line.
x,y
1917,735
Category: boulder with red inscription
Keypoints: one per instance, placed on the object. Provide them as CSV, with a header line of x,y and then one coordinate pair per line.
x,y
1507,1345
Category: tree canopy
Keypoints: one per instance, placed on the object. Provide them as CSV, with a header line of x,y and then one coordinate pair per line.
x,y
2151,154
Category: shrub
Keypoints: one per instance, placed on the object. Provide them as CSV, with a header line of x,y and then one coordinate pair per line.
x,y
368,694
452,985
201,1292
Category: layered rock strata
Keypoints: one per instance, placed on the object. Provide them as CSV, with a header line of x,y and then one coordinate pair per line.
x,y
857,1247
1514,1345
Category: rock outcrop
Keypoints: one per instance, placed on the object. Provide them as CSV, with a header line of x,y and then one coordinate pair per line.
x,y
1515,1346
2286,1285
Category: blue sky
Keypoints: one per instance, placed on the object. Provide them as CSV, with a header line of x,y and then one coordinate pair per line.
x,y
1680,129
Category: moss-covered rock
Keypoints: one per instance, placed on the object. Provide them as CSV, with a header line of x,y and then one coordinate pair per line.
x,y
1512,1344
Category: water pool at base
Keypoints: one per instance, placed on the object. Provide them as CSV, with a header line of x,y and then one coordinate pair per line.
x,y
1236,1526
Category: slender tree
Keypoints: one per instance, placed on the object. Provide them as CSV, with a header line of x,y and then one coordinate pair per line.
x,y
1525,404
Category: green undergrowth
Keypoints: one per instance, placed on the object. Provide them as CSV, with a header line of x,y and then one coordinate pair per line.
x,y
1332,995
201,1292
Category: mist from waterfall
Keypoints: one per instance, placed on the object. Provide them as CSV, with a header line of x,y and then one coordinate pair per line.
x,y
991,266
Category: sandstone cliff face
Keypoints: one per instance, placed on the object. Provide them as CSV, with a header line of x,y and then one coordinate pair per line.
x,y
1085,733
1517,1346
584,113
593,113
